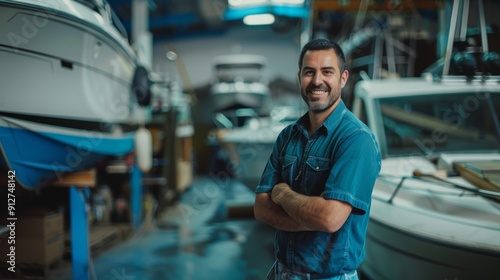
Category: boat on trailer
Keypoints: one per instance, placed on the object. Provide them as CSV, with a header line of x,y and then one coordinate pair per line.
x,y
72,90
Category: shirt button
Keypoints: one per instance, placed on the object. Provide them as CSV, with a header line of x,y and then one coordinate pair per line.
x,y
317,167
291,242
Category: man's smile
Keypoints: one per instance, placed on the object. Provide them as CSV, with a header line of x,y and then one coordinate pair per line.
x,y
318,90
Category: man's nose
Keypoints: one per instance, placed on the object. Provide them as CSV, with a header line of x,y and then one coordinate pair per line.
x,y
317,79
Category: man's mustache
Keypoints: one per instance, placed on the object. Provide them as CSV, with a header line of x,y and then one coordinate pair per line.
x,y
310,88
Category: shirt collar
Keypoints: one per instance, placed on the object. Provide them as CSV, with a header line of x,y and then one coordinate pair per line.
x,y
330,123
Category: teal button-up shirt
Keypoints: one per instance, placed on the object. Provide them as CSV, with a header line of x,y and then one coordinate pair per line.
x,y
341,161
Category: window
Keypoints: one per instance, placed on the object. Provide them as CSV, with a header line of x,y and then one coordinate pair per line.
x,y
437,123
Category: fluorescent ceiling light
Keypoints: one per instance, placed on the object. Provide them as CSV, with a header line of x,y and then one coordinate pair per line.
x,y
249,3
288,2
259,19
243,3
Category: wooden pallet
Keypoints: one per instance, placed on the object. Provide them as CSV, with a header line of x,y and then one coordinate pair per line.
x,y
101,237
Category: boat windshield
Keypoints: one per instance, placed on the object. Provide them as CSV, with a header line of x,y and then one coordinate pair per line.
x,y
437,123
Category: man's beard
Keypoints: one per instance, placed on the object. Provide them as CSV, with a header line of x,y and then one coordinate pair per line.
x,y
321,106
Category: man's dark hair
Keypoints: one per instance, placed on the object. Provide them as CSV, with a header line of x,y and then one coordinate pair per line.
x,y
324,44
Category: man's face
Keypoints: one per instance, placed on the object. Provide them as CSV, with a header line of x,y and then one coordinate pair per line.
x,y
320,79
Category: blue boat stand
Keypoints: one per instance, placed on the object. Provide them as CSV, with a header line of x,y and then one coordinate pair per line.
x,y
79,208
136,196
79,232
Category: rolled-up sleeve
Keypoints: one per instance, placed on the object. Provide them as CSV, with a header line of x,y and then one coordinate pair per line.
x,y
353,175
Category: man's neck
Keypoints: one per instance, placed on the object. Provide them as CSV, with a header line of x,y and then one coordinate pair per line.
x,y
316,119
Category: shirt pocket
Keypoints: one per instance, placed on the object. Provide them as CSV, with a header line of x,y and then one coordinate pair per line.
x,y
318,170
288,168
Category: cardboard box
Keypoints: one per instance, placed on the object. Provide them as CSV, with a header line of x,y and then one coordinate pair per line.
x,y
39,224
33,250
39,238
36,250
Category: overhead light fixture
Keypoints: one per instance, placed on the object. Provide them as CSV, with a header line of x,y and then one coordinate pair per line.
x,y
288,2
246,3
250,3
259,19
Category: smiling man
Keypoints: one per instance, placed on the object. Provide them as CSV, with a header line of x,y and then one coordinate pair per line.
x,y
317,185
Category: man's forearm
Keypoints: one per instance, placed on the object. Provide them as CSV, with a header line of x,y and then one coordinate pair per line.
x,y
301,209
313,212
274,215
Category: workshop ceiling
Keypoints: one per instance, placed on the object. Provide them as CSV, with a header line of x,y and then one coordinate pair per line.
x,y
184,18
187,18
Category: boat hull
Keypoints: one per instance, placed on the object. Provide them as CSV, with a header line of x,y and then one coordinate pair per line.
x,y
40,153
393,253
422,229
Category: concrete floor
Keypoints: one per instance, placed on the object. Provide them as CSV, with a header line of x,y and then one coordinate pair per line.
x,y
205,235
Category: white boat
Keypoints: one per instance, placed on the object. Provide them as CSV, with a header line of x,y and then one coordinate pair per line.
x,y
435,210
68,79
239,83
428,220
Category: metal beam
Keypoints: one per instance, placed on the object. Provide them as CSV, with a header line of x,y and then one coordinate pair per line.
x,y
353,5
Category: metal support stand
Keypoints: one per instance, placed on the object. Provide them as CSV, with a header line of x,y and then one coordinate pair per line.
x,y
136,196
80,254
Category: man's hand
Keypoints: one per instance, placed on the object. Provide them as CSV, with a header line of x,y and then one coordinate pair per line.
x,y
277,192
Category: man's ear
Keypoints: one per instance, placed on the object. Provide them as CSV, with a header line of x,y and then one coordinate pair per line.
x,y
343,78
298,76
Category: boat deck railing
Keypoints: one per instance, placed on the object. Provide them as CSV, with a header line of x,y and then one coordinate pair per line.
x,y
439,181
